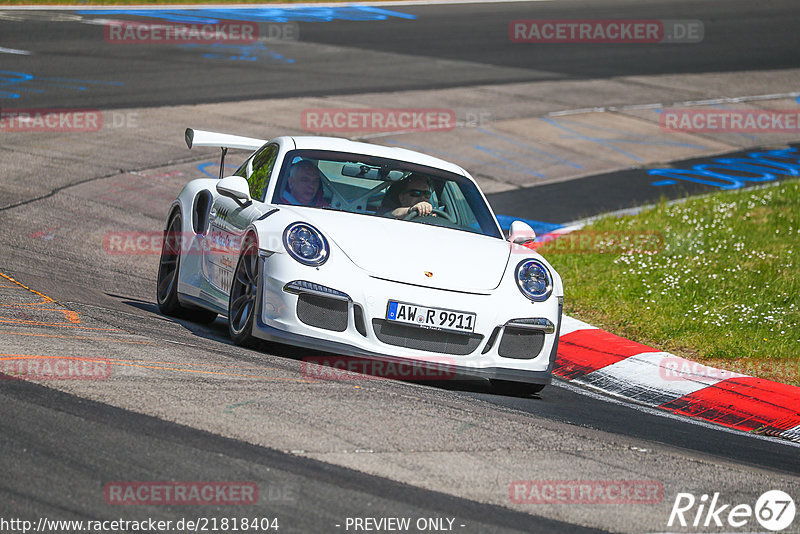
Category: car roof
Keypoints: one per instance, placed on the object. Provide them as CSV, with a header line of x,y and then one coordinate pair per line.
x,y
338,144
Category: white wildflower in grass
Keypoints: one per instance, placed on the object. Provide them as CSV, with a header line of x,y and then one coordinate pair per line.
x,y
720,283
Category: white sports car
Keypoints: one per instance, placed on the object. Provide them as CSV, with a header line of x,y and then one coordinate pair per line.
x,y
361,250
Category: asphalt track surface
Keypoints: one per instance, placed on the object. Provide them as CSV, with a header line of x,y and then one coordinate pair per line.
x,y
582,198
59,449
51,449
470,44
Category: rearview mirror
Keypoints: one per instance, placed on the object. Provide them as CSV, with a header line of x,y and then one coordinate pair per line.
x,y
521,233
370,173
234,187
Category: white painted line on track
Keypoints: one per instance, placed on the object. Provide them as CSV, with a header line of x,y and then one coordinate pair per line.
x,y
685,103
15,51
792,434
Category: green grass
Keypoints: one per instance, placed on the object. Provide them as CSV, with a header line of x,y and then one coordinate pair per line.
x,y
715,279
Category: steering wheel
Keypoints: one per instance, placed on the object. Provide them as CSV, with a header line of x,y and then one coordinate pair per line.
x,y
413,214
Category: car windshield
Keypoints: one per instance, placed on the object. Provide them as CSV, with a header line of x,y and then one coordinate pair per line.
x,y
381,187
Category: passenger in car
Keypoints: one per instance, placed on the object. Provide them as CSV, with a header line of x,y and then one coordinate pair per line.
x,y
304,185
412,192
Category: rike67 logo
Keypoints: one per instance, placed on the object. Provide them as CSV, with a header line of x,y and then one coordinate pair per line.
x,y
774,510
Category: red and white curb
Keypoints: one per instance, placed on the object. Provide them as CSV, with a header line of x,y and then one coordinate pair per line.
x,y
632,371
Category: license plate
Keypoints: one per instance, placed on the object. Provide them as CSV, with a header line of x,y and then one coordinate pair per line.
x,y
427,317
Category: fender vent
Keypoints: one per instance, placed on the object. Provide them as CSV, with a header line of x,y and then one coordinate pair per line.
x,y
200,211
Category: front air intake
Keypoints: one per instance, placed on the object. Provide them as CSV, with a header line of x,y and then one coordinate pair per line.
x,y
413,337
520,343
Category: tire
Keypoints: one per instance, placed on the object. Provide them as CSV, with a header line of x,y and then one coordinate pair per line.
x,y
244,295
515,389
167,284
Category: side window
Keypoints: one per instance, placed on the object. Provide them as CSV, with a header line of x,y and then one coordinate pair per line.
x,y
458,206
263,163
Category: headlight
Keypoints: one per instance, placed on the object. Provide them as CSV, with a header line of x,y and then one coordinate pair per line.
x,y
305,244
534,280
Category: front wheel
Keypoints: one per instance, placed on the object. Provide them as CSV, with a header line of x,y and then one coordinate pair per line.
x,y
515,389
167,284
244,294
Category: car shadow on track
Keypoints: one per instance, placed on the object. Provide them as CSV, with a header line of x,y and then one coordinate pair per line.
x,y
320,365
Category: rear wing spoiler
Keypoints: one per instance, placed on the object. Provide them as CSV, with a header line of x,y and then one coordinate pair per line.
x,y
223,141
203,138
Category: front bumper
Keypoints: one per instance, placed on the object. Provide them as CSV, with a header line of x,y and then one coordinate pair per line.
x,y
356,323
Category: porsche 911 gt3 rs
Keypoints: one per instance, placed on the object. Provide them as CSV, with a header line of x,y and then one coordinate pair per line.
x,y
336,267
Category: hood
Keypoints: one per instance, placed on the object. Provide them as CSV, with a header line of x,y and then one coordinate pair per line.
x,y
404,251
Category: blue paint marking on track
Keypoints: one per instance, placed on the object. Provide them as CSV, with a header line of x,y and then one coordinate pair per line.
x,y
24,82
734,173
612,142
260,14
497,153
230,52
530,148
540,227
203,166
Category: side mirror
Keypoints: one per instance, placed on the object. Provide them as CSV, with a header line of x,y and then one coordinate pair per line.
x,y
521,233
234,187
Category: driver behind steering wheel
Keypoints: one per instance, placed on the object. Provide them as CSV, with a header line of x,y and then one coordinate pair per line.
x,y
404,196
